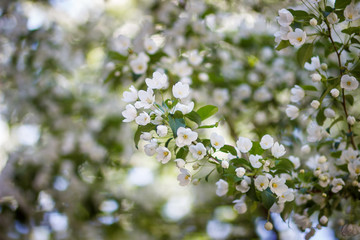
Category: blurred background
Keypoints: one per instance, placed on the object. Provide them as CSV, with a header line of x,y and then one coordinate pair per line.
x,y
69,166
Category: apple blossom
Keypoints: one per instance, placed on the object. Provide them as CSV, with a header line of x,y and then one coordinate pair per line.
x,y
217,141
130,96
292,111
278,150
240,172
297,93
163,155
130,113
159,81
180,90
184,177
335,93
162,130
297,38
185,136
349,83
266,142
222,187
285,17
198,151
254,160
244,185
261,182
244,144
142,119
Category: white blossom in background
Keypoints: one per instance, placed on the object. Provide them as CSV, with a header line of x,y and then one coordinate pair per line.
x,y
222,187
255,161
314,65
143,119
286,196
159,81
285,18
150,148
194,57
351,12
332,18
297,93
337,185
162,130
315,77
240,205
244,185
139,65
182,69
121,44
150,46
351,120
292,111
315,132
147,99
240,172
315,104
329,113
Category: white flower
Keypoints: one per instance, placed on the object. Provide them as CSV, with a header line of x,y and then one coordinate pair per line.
x,y
240,171
184,108
315,64
261,182
286,196
147,99
139,64
332,18
277,208
285,17
162,130
204,77
217,141
349,230
315,77
313,22
324,180
266,142
244,144
302,199
244,185
349,82
266,165
163,154
159,81
194,57
220,96
302,221
292,111
297,93
354,168
262,94
240,206
185,136
158,119
351,12
225,164
337,184
349,155
222,187
351,120
182,69
184,177
335,93
130,113
315,104
277,185
150,46
142,119
297,38
131,96
329,113
278,150
295,161
180,163
181,90
315,132
254,160
150,148
242,92
323,220
198,151
282,34
146,136
121,44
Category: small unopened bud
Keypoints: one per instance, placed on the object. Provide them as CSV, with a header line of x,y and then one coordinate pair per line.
x,y
313,22
305,149
269,226
315,104
225,164
324,220
318,226
351,120
195,166
302,171
196,181
334,92
355,183
322,159
324,195
324,66
341,222
317,172
315,77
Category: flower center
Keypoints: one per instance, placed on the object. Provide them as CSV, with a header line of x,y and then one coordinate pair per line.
x,y
262,184
216,144
357,170
166,153
274,185
199,152
187,177
348,83
185,136
299,39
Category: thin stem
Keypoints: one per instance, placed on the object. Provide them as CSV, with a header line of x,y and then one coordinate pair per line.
x,y
343,103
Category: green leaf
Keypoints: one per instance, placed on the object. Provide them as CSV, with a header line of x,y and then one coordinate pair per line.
x,y
208,175
300,15
207,111
195,117
350,99
351,30
210,126
309,87
256,149
228,149
175,123
320,117
140,130
252,192
284,164
267,198
288,207
240,162
116,56
283,44
167,142
356,70
340,4
336,154
304,53
182,153
335,121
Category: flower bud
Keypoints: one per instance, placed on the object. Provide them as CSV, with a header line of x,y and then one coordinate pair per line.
x,y
334,92
315,104
324,66
196,181
305,149
315,77
355,183
225,164
351,120
146,136
324,195
195,166
268,226
302,171
313,22
323,220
